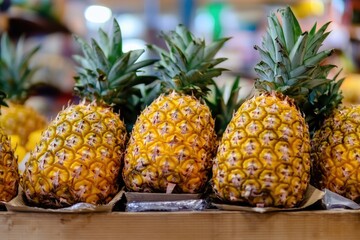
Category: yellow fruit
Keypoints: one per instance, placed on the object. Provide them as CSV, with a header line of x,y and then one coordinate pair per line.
x,y
173,142
20,153
264,156
350,89
14,140
78,158
80,153
309,8
336,153
21,120
19,150
9,176
34,138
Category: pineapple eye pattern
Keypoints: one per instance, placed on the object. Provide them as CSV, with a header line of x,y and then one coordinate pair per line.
x,y
76,155
73,141
336,149
175,140
262,139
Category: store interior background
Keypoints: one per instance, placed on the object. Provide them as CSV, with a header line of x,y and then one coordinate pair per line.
x,y
52,24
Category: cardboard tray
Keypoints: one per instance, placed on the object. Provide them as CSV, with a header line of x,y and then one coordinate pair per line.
x,y
312,196
18,205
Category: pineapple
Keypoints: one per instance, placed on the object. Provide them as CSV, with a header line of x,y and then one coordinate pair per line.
x,y
9,176
336,153
263,158
335,148
79,156
173,140
350,89
15,79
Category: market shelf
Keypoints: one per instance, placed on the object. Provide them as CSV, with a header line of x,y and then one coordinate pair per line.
x,y
212,224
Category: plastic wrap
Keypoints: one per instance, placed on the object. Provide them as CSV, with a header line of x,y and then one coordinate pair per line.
x,y
333,200
142,202
169,206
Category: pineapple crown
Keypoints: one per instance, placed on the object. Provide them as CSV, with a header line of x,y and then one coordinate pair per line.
x,y
189,64
321,102
292,64
290,58
107,74
15,72
223,109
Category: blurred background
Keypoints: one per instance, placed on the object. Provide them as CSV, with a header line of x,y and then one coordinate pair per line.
x,y
52,23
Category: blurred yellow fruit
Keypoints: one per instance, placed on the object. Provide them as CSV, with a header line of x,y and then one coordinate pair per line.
x,y
34,138
351,89
14,140
307,8
20,151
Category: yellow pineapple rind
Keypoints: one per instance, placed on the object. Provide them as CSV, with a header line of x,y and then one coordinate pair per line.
x,y
78,158
172,142
263,158
336,153
9,176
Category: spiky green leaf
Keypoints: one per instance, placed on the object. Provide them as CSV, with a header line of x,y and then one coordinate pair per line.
x,y
15,70
291,28
188,64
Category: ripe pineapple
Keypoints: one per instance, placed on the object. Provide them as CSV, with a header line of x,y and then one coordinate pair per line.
x,y
80,153
173,140
263,158
15,79
336,153
9,176
335,146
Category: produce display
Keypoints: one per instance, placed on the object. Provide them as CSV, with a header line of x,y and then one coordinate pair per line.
x,y
173,132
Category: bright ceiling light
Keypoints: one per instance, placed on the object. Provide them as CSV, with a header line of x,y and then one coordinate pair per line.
x,y
131,25
97,14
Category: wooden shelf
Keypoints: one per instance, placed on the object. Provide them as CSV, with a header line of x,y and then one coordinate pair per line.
x,y
182,225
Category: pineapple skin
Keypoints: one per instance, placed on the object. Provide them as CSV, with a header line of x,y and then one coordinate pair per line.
x,y
263,158
21,120
336,153
78,158
9,176
172,142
